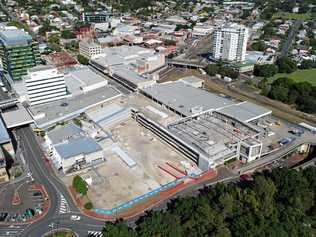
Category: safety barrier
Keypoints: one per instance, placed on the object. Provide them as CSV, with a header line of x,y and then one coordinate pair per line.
x,y
135,200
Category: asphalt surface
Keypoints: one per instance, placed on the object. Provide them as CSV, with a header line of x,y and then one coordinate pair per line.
x,y
43,173
291,37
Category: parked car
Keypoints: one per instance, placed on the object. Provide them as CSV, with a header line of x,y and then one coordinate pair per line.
x,y
75,218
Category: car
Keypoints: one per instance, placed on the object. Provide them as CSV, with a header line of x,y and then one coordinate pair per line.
x,y
64,104
75,218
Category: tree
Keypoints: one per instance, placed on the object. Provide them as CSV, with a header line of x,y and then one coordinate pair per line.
x,y
258,45
229,72
226,202
83,60
286,65
54,47
280,89
212,69
80,185
279,93
67,34
275,204
17,24
88,205
268,30
307,64
118,229
46,27
54,39
265,191
265,70
160,224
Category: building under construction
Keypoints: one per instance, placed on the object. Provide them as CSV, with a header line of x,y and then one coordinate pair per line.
x,y
212,129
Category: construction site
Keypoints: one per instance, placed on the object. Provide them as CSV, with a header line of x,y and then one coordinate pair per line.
x,y
151,143
133,167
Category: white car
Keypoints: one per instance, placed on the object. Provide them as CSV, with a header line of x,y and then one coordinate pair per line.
x,y
75,218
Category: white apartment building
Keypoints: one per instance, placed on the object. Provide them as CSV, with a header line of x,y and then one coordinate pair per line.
x,y
230,43
44,84
89,49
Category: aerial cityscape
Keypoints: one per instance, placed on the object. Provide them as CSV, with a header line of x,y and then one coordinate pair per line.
x,y
157,118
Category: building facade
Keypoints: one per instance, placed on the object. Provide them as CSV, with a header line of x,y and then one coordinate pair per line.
x,y
70,148
89,49
18,52
230,43
95,17
44,84
3,172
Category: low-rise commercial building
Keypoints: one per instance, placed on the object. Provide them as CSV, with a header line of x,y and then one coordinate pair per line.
x,y
132,66
89,49
71,149
84,80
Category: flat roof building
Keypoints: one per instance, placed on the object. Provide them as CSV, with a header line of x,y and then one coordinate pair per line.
x,y
44,84
246,111
16,118
130,65
192,81
185,99
47,115
95,17
230,42
89,49
70,148
84,80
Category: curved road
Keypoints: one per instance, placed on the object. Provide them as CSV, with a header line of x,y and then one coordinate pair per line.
x,y
55,188
44,174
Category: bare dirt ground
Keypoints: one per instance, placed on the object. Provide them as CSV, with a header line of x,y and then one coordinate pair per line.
x,y
117,183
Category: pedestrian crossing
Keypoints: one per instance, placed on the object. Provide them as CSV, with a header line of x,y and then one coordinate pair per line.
x,y
10,231
63,208
95,234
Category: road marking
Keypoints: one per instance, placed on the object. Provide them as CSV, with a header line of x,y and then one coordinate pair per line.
x,y
95,233
64,207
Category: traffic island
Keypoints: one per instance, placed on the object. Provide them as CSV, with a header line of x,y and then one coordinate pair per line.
x,y
46,205
21,209
16,200
61,233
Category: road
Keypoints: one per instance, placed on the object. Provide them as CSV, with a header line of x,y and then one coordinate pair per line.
x,y
57,191
55,188
291,37
307,138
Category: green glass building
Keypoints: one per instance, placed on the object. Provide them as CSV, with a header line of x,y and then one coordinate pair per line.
x,y
18,52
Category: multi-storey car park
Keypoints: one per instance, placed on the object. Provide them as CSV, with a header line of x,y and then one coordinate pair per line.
x,y
211,131
18,52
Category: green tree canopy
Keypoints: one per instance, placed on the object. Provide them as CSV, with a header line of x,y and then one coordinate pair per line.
x,y
286,65
83,60
280,203
80,185
265,70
